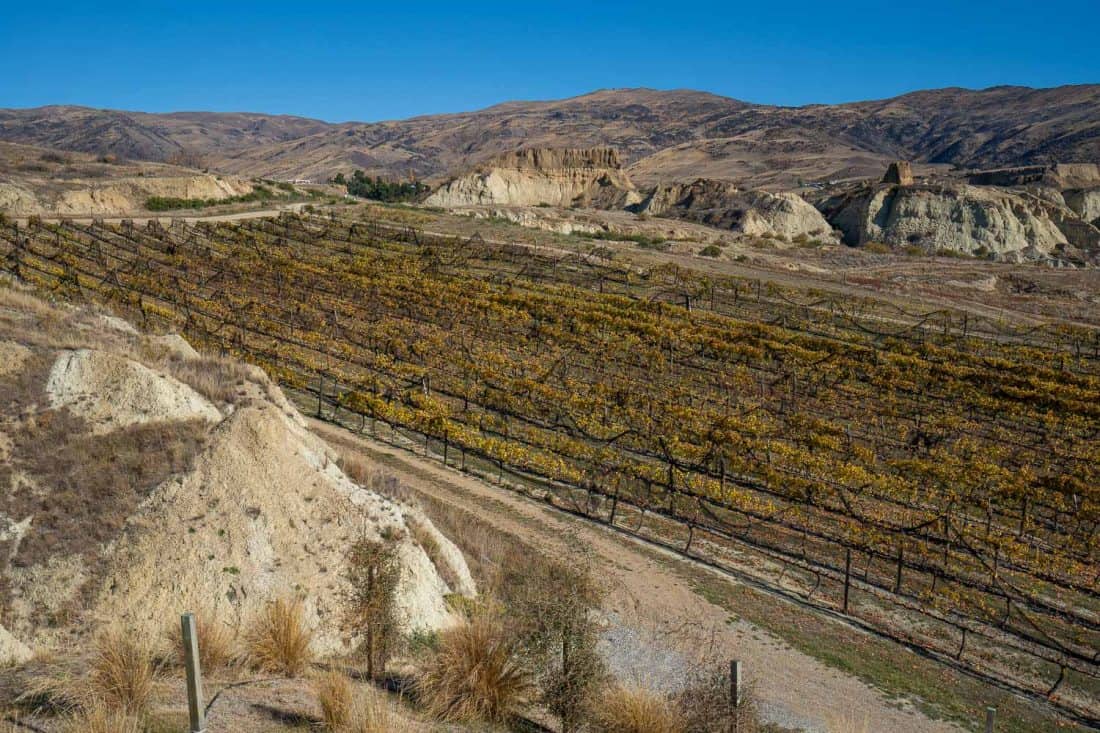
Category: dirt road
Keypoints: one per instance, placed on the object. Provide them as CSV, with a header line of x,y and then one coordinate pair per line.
x,y
794,690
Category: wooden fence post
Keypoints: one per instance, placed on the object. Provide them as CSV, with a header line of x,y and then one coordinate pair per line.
x,y
990,719
194,673
735,694
847,576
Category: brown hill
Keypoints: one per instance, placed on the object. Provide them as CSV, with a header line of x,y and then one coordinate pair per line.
x,y
145,136
662,135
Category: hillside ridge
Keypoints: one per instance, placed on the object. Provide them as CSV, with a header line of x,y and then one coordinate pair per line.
x,y
660,134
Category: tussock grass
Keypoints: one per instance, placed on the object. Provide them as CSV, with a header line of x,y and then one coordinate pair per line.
x,y
279,640
101,718
372,713
346,710
477,674
636,710
217,642
122,672
336,697
118,676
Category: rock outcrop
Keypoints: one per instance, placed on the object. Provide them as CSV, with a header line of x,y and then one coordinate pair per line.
x,y
899,173
254,506
721,204
590,177
119,197
80,380
973,220
1085,202
1059,176
129,195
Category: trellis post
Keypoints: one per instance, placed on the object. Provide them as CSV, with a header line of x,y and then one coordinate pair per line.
x,y
735,694
847,576
194,673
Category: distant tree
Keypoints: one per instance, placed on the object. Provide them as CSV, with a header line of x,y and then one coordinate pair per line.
x,y
339,179
380,190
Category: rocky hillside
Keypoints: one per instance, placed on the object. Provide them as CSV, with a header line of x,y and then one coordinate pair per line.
x,y
663,136
724,206
139,478
1004,223
531,177
39,181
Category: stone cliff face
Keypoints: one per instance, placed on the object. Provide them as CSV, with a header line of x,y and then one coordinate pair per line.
x,y
115,198
1085,203
722,205
588,177
1059,175
1008,224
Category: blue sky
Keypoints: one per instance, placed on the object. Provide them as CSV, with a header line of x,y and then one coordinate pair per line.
x,y
367,61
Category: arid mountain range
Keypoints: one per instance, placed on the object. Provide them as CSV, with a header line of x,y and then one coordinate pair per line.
x,y
662,136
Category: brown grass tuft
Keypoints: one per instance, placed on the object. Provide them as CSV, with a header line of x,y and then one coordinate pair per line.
x,y
279,640
344,710
635,710
476,675
122,672
372,713
100,718
337,699
217,642
216,378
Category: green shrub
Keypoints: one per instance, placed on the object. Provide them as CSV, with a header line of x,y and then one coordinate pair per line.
x,y
642,240
377,189
169,203
944,252
711,250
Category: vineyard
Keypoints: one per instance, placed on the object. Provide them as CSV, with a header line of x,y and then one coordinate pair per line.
x,y
932,477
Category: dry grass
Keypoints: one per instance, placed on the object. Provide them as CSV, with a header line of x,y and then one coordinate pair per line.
x,y
116,680
279,640
367,474
336,697
217,642
218,379
427,541
848,724
96,481
477,674
99,718
122,672
344,710
704,706
635,710
372,713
